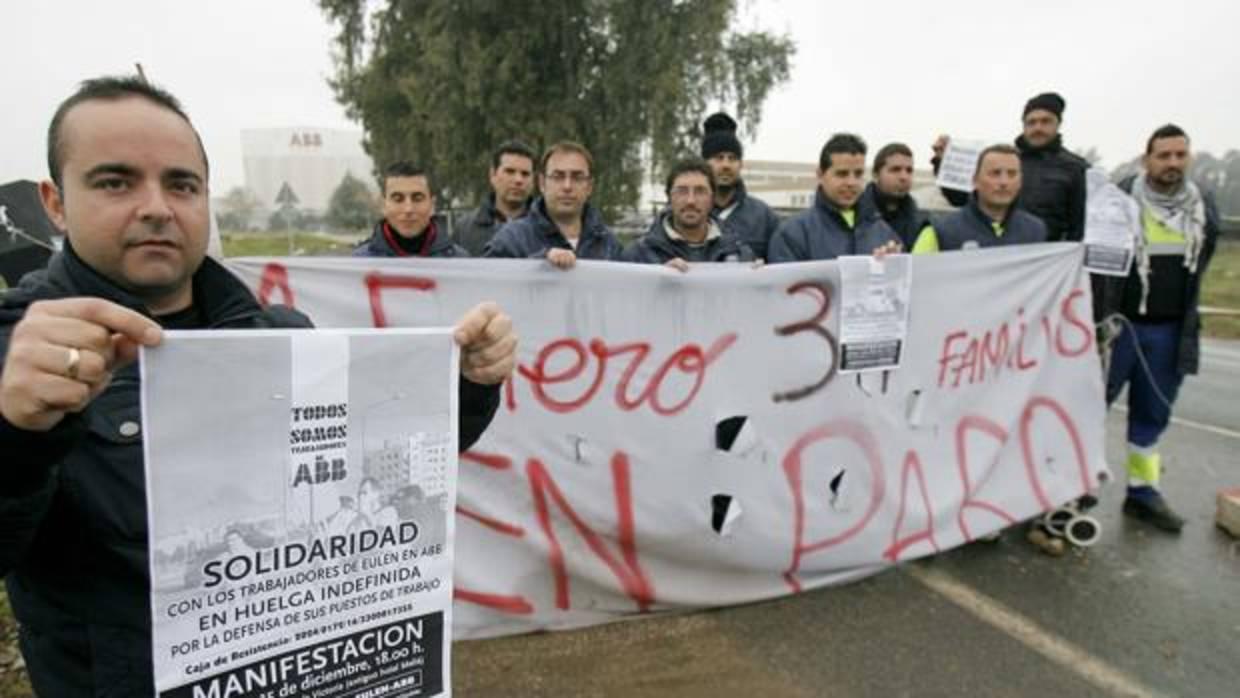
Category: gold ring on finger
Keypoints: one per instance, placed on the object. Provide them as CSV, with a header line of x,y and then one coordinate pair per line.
x,y
74,362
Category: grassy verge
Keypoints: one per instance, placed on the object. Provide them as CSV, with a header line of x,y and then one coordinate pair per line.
x,y
277,244
13,680
1222,290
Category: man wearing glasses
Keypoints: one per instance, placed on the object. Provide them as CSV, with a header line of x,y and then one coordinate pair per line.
x,y
687,231
561,225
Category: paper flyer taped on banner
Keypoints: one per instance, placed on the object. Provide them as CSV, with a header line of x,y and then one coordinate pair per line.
x,y
874,306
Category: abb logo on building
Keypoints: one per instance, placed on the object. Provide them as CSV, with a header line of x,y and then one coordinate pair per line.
x,y
306,140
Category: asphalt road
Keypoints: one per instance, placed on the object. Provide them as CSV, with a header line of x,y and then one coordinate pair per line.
x,y
1141,614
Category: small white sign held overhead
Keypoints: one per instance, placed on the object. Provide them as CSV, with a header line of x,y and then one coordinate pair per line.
x,y
959,163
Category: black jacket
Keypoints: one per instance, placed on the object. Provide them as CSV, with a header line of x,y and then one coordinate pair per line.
x,y
380,245
751,220
820,232
73,522
1114,289
531,236
475,229
971,225
1052,188
906,218
657,247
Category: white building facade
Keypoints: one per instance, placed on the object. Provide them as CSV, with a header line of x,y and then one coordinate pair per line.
x,y
310,160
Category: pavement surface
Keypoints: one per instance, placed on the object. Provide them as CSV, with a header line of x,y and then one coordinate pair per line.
x,y
1141,614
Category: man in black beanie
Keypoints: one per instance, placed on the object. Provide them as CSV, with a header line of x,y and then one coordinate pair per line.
x,y
1053,177
742,215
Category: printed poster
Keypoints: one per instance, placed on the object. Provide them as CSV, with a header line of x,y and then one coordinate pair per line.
x,y
301,487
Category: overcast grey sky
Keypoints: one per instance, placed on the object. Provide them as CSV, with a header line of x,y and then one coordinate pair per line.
x,y
895,70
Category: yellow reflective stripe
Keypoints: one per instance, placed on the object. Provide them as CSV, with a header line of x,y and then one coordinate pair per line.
x,y
1157,232
1145,468
927,241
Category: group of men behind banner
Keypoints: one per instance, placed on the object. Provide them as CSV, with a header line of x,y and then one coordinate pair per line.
x,y
1032,191
129,186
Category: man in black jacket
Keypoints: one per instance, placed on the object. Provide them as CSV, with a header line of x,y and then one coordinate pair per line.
x,y
888,194
129,188
512,184
409,227
741,214
1053,177
687,232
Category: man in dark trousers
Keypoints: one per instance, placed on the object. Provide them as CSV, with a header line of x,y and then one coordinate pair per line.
x,y
889,195
561,226
741,214
833,226
409,227
512,186
129,187
686,231
991,217
1053,177
1160,342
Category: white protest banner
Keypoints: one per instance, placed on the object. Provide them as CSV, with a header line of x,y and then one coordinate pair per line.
x,y
874,299
674,440
958,164
300,489
1112,226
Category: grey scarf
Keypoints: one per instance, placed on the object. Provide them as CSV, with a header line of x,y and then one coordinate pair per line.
x,y
1183,211
711,234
